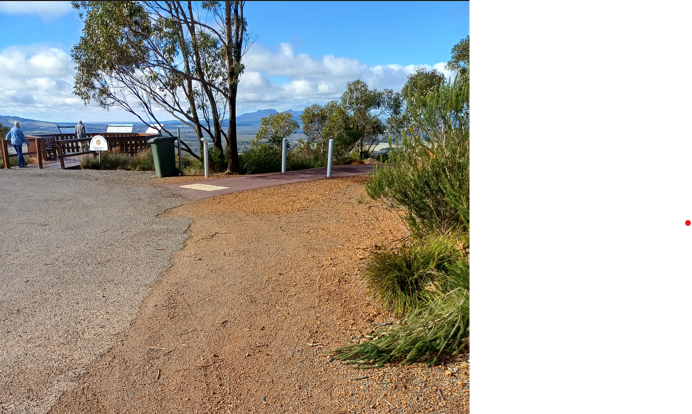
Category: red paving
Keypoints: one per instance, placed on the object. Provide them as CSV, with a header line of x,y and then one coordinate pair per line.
x,y
250,182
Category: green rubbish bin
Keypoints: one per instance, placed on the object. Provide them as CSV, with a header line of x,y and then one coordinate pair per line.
x,y
164,156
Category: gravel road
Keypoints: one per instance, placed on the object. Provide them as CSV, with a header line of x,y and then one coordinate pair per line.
x,y
78,253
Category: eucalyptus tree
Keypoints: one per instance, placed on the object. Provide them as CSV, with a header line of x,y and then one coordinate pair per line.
x,y
275,127
366,110
461,56
357,120
182,57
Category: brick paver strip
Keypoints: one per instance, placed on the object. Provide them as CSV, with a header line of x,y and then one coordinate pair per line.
x,y
250,182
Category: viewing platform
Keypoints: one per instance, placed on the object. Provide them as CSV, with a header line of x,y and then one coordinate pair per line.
x,y
63,151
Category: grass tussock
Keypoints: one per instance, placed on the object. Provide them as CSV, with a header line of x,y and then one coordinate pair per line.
x,y
14,161
142,161
109,161
411,277
424,335
114,160
426,281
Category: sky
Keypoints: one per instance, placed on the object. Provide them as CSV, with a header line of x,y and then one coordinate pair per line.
x,y
303,53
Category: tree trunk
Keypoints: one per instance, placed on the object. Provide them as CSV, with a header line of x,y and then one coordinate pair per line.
x,y
233,162
216,137
234,43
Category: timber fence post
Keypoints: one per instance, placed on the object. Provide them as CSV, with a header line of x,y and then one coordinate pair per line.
x,y
39,152
5,155
60,155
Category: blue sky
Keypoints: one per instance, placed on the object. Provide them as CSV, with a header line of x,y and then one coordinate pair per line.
x,y
304,53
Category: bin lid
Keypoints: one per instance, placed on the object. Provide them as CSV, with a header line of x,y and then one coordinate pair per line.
x,y
159,139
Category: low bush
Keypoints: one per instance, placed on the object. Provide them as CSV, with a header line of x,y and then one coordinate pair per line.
x,y
298,161
424,335
190,165
260,158
218,162
142,161
110,160
427,280
14,161
413,276
430,173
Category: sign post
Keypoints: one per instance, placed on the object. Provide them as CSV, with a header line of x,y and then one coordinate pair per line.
x,y
98,143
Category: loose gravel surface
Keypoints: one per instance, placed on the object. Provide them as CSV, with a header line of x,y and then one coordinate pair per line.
x,y
78,253
268,282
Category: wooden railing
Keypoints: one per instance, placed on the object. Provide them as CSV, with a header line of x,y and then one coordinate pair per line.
x,y
38,150
67,145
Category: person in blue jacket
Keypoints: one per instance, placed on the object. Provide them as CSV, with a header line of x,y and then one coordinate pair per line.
x,y
17,138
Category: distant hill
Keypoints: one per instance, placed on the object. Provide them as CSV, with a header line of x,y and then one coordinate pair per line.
x,y
254,119
247,126
251,120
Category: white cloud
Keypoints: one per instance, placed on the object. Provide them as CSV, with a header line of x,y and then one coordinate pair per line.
x,y
45,9
310,80
36,82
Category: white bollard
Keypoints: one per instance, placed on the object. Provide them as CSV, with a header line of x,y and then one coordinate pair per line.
x,y
284,144
329,158
206,157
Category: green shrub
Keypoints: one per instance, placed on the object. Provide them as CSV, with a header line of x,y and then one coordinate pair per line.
x,y
89,162
413,276
424,335
428,280
430,173
383,157
217,161
14,161
109,161
142,161
260,158
190,165
298,161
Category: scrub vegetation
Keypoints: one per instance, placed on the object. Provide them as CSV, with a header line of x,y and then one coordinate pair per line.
x,y
114,160
426,281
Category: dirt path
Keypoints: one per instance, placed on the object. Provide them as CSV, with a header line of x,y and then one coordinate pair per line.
x,y
267,282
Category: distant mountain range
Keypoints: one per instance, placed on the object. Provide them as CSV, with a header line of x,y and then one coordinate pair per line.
x,y
249,122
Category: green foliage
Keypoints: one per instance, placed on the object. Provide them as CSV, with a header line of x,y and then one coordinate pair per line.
x,y
4,130
421,83
354,122
142,161
14,161
260,158
217,161
430,176
427,280
275,127
461,56
424,335
190,165
296,160
405,280
148,55
109,161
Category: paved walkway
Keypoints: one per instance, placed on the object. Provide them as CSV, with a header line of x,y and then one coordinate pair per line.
x,y
197,190
80,250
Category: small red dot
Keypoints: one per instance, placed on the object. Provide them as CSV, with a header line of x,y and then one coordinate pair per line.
x,y
687,222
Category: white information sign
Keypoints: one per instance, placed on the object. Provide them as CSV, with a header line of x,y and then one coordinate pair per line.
x,y
126,128
98,143
154,129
